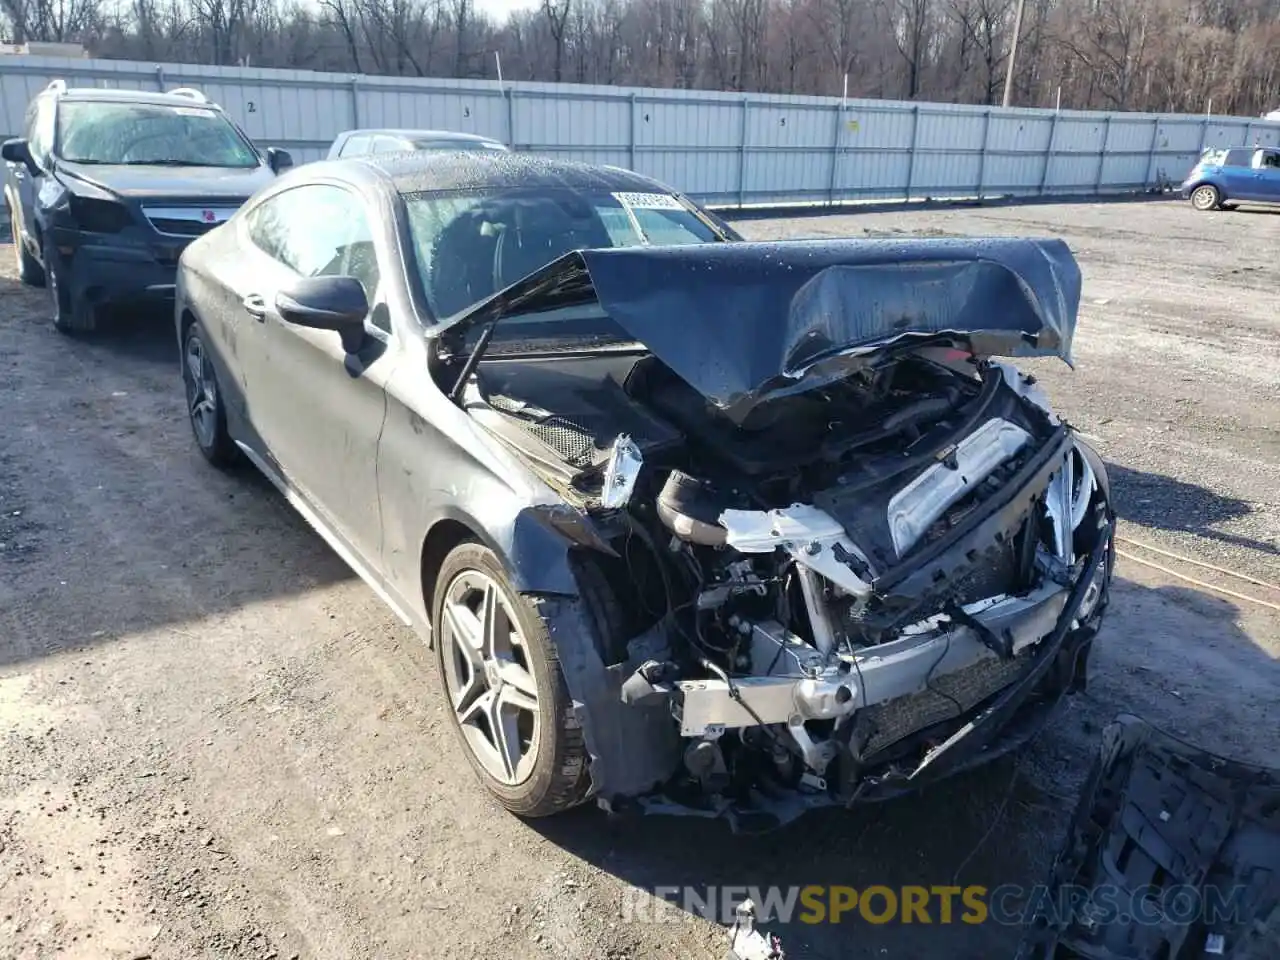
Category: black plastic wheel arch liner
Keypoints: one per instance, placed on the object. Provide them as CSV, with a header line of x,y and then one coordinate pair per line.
x,y
744,320
1191,835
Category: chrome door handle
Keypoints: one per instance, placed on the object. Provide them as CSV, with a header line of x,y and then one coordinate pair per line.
x,y
255,306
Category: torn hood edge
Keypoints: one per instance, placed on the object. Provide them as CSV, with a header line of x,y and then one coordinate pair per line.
x,y
743,321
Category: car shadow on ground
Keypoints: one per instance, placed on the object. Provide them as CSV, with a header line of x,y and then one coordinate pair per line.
x,y
144,332
1163,503
1001,824
111,522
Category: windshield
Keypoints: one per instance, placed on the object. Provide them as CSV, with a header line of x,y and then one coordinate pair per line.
x,y
147,133
470,245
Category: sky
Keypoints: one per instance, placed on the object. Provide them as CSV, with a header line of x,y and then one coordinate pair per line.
x,y
499,9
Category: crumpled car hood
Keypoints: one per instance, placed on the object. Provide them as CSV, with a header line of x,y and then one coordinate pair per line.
x,y
742,321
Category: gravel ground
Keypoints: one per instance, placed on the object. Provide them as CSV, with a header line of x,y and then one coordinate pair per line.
x,y
217,743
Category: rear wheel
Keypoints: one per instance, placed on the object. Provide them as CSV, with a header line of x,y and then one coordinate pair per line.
x,y
29,270
507,695
1205,197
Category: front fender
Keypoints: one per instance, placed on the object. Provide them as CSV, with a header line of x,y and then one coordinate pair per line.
x,y
533,542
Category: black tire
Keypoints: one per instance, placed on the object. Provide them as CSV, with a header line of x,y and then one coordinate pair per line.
x,y
209,424
29,270
72,315
1206,197
559,774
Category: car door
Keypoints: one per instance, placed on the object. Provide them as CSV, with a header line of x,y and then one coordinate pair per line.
x,y
38,131
1267,176
1237,174
316,410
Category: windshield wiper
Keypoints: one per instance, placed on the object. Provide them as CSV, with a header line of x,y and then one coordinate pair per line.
x,y
167,163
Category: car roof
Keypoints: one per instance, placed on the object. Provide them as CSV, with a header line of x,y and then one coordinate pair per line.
x,y
430,172
421,134
105,95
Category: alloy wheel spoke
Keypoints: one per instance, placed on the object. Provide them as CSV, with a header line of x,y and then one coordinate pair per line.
x,y
517,678
464,630
195,366
505,729
491,613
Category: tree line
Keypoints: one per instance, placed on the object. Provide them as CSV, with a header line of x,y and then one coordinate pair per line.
x,y
1157,55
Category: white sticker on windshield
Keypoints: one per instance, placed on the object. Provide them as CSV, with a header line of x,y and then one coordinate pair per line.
x,y
648,201
192,112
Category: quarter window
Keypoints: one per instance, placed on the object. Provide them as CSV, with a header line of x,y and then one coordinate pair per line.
x,y
318,231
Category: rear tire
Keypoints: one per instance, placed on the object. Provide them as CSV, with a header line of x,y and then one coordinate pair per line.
x,y
1206,197
29,270
491,673
72,315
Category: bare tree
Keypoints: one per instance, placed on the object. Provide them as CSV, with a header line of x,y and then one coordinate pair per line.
x,y
1117,54
557,14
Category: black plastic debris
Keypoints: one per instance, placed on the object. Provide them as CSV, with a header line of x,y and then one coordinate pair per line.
x,y
1173,854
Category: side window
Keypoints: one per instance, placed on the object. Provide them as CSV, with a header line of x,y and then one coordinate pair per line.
x,y
355,146
319,231
385,144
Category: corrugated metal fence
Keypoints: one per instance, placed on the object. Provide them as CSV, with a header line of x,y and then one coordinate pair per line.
x,y
724,149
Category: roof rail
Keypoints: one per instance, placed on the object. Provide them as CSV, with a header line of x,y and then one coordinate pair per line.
x,y
57,86
191,93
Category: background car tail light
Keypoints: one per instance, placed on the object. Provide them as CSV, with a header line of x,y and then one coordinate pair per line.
x,y
99,216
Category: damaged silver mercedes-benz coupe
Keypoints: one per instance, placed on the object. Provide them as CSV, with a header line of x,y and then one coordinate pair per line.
x,y
693,524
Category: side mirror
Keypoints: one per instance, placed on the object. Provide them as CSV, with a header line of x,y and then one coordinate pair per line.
x,y
17,151
278,160
326,303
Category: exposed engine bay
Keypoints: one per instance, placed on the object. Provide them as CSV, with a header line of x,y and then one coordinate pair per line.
x,y
818,601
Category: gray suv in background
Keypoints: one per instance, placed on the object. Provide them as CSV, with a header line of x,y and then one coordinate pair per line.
x,y
106,188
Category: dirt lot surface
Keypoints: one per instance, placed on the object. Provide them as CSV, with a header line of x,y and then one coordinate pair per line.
x,y
217,743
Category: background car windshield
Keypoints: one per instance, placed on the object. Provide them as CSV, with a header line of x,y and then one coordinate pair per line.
x,y
141,133
469,246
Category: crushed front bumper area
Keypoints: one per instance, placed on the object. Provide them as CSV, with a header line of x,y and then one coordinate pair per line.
x,y
109,273
925,724
1173,852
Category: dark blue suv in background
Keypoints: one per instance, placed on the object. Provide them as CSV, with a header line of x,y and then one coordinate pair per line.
x,y
1226,176
107,187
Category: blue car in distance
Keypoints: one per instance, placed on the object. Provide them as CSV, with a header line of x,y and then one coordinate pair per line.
x,y
1226,176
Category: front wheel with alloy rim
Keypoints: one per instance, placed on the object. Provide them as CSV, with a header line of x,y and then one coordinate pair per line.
x,y
204,400
507,695
29,270
1205,197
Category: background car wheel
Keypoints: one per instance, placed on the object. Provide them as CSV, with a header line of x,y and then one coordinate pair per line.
x,y
501,673
71,314
1205,197
29,270
204,401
